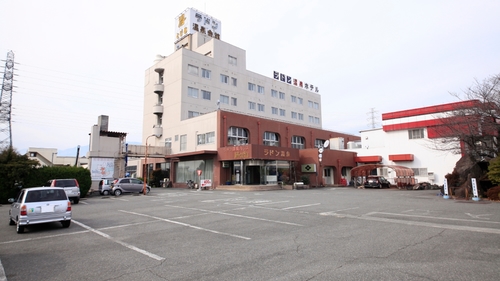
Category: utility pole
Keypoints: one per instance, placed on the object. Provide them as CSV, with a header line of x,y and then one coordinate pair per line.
x,y
6,102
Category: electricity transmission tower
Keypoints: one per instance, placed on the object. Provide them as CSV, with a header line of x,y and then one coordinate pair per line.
x,y
372,118
6,102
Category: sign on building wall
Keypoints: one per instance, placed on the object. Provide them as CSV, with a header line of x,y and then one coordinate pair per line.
x,y
294,81
102,168
192,20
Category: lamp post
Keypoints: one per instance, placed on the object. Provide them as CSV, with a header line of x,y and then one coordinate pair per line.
x,y
144,189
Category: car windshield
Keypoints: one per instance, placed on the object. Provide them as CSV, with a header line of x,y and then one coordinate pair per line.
x,y
65,183
45,195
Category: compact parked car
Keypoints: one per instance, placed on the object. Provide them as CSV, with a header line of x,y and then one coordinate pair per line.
x,y
128,185
105,186
376,182
71,187
37,205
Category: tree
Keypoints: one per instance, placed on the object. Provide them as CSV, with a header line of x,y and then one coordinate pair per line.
x,y
471,128
14,169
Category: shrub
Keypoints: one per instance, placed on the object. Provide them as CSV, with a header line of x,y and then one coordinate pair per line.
x,y
493,193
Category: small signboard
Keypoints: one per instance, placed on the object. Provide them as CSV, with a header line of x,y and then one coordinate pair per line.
x,y
199,172
206,183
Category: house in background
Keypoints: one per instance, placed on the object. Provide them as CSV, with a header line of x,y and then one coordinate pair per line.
x,y
49,157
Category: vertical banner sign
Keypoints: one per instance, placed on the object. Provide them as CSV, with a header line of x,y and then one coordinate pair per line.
x,y
445,187
474,188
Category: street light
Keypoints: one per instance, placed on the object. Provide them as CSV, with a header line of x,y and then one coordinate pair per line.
x,y
144,190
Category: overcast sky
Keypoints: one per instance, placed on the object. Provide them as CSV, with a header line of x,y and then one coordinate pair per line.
x,y
76,60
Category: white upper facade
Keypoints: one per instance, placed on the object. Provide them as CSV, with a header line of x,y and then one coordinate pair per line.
x,y
204,74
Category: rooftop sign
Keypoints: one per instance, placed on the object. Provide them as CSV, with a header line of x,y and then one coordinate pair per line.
x,y
192,20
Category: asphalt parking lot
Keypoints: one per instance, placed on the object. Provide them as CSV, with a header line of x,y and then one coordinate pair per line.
x,y
316,234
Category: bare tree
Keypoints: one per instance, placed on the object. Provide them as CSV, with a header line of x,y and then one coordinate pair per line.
x,y
471,126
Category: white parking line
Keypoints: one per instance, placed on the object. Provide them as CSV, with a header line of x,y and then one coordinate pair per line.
x,y
294,207
134,248
188,225
43,237
234,215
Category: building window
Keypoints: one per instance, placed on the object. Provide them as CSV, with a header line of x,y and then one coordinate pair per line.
x,y
420,172
233,60
311,119
234,101
316,120
274,110
282,112
206,138
251,86
224,99
168,142
293,99
260,89
294,115
251,105
206,95
237,136
274,93
416,134
205,73
234,81
300,100
282,96
301,116
224,79
319,143
261,107
193,70
192,114
271,139
310,104
183,143
298,142
192,92
316,105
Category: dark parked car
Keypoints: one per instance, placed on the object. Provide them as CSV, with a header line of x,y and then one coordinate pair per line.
x,y
36,205
126,185
376,182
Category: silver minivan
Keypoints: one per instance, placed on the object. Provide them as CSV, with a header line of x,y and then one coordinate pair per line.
x,y
128,185
35,205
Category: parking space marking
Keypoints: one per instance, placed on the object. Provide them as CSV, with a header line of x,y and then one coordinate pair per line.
x,y
131,247
369,217
428,217
43,237
235,215
187,225
302,206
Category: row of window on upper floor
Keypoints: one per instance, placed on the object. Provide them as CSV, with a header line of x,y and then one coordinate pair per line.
x,y
223,99
225,79
239,136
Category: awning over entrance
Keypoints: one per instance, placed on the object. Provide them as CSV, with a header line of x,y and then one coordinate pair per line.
x,y
364,170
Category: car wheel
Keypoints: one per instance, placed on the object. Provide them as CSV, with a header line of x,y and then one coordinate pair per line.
x,y
105,193
66,224
11,222
20,228
118,192
76,200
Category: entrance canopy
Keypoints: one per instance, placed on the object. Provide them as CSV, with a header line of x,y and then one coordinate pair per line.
x,y
364,170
